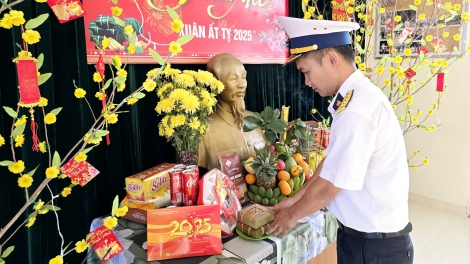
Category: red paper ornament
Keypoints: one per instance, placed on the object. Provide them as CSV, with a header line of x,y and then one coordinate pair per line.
x,y
423,50
100,67
410,73
66,10
440,82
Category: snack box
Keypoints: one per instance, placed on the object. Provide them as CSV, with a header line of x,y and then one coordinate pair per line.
x,y
149,184
137,210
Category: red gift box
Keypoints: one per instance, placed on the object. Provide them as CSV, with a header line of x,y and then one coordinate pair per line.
x,y
181,232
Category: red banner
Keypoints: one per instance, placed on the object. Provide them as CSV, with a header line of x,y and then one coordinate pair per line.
x,y
248,29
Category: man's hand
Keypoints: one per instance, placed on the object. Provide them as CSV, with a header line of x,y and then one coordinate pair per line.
x,y
283,222
285,203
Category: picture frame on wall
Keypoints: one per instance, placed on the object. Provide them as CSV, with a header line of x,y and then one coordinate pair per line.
x,y
413,31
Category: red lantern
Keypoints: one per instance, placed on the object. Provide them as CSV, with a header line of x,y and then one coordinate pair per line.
x,y
29,90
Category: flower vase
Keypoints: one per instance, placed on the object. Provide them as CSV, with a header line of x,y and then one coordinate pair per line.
x,y
187,157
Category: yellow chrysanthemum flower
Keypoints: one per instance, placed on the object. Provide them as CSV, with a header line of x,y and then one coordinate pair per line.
x,y
122,73
190,104
110,222
79,93
397,18
31,221
387,82
421,16
398,59
456,37
43,102
97,77
132,100
99,95
176,25
178,120
195,124
414,119
42,147
66,192
56,260
128,29
429,38
425,161
111,118
185,80
121,87
381,10
457,7
175,48
119,212
166,105
31,36
50,118
391,70
17,17
117,61
401,75
81,246
25,181
131,49
379,70
464,15
80,157
19,140
149,85
116,10
52,172
362,66
407,52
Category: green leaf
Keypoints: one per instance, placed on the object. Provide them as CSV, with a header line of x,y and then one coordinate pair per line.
x,y
258,115
31,173
301,132
397,27
119,21
156,56
56,160
382,60
449,18
423,42
276,127
388,58
421,56
8,251
36,22
185,39
267,113
429,3
271,136
139,95
56,111
85,151
387,91
6,163
65,249
117,79
108,82
408,41
251,123
18,130
44,77
101,133
10,112
172,13
52,207
19,46
359,48
133,38
413,7
438,120
456,50
114,2
40,61
115,205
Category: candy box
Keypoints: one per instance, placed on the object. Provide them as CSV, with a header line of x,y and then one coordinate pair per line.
x,y
255,216
180,232
137,210
149,184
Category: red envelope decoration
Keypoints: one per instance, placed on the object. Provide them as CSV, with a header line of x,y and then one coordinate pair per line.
x,y
104,243
79,172
66,10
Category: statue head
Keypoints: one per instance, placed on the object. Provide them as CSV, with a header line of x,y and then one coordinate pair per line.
x,y
231,72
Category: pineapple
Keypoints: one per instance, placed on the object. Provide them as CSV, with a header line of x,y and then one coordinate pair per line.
x,y
264,164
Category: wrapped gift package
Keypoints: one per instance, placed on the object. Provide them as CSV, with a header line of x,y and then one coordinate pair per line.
x,y
215,187
149,184
254,217
252,232
137,210
180,232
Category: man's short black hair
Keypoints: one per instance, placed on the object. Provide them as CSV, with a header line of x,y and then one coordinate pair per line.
x,y
345,51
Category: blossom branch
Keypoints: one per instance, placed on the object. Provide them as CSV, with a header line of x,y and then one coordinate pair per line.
x,y
10,5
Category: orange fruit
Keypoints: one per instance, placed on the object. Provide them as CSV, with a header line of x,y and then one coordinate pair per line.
x,y
253,153
283,175
297,157
250,178
295,170
305,167
285,188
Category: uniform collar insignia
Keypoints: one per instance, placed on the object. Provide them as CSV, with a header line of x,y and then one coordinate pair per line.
x,y
341,102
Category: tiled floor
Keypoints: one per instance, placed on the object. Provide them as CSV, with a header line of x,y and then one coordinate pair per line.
x,y
439,237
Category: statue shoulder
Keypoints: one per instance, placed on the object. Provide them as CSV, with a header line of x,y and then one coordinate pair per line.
x,y
247,113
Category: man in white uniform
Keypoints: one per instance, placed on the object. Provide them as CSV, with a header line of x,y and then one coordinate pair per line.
x,y
364,178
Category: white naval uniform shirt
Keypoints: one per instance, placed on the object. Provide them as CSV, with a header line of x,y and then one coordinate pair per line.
x,y
366,158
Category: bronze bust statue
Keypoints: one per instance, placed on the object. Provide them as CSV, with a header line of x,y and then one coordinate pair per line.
x,y
225,134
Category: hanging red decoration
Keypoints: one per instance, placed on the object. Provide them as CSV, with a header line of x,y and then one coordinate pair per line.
x,y
100,67
66,10
410,73
29,90
440,82
423,50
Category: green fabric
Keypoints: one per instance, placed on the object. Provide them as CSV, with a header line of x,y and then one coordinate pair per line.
x,y
135,144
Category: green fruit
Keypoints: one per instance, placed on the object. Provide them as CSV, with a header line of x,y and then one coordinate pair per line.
x,y
258,199
302,179
262,192
291,183
273,201
276,192
251,195
254,189
265,201
296,183
279,199
289,163
269,193
296,190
